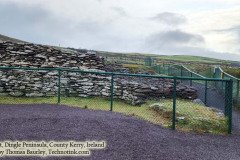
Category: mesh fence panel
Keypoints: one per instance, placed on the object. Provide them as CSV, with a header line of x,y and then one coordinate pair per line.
x,y
235,87
143,97
219,73
204,114
175,70
85,90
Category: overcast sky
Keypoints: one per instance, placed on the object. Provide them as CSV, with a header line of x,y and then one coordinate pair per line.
x,y
190,27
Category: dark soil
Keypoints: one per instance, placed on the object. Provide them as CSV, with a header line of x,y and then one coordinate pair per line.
x,y
127,137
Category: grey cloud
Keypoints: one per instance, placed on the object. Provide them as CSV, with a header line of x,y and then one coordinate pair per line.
x,y
170,18
120,11
234,29
39,25
175,43
231,29
29,23
173,38
90,27
19,17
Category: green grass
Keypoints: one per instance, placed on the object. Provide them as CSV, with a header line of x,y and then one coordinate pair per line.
x,y
187,58
136,68
232,71
196,117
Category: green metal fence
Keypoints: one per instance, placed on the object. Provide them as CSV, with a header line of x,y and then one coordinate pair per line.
x,y
176,70
182,71
159,99
219,73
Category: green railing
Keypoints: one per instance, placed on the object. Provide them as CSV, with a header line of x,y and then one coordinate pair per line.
x,y
182,71
176,70
174,81
219,73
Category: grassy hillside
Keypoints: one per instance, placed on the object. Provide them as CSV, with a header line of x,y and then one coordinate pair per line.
x,y
6,38
139,58
187,58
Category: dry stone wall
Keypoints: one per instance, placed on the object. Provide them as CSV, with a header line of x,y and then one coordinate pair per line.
x,y
45,83
32,55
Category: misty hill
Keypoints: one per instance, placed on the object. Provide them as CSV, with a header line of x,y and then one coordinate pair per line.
x,y
6,38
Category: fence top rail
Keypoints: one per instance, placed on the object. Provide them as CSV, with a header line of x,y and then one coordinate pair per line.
x,y
176,65
111,73
193,72
229,75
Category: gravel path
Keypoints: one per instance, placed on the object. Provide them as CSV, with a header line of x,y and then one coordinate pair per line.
x,y
127,138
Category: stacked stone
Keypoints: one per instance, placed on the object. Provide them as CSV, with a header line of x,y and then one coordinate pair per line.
x,y
137,90
45,83
32,55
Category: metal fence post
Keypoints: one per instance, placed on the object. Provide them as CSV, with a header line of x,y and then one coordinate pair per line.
x,y
229,103
214,76
205,96
191,79
181,71
237,92
174,103
222,77
159,69
59,86
111,97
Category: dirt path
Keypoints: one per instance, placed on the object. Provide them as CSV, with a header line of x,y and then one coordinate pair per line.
x,y
127,138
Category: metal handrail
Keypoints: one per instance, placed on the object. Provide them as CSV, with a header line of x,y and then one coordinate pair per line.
x,y
193,72
229,75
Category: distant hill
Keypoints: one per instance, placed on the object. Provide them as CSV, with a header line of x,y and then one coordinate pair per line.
x,y
6,38
134,57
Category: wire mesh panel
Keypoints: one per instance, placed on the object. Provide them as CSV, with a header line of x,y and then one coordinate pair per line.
x,y
235,87
203,111
86,90
144,97
174,70
219,73
185,73
218,84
